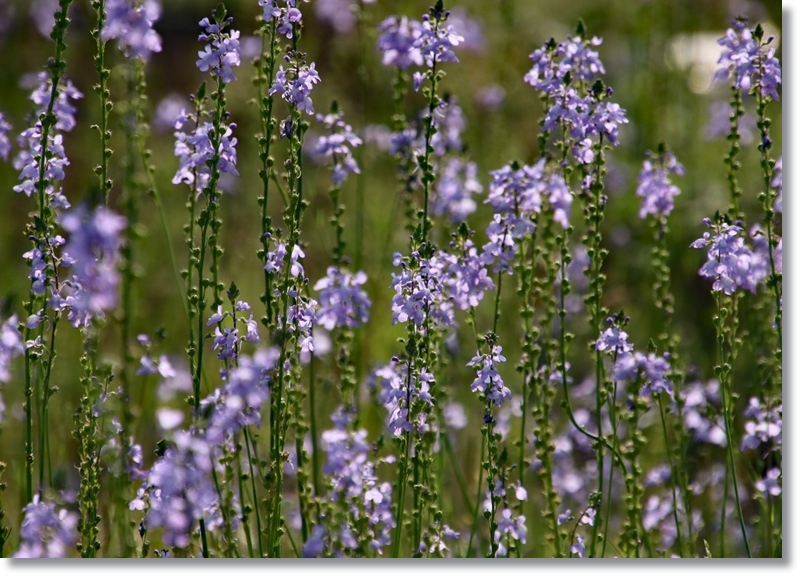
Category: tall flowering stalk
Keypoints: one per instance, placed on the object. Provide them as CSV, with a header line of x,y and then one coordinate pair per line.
x,y
657,192
42,161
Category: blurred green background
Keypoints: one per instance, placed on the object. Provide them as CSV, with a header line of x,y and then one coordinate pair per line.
x,y
660,56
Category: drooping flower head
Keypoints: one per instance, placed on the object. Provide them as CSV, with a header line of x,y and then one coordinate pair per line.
x,y
130,22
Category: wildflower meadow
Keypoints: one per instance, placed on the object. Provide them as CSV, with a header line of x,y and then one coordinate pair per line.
x,y
391,279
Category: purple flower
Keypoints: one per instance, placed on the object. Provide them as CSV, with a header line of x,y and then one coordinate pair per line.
x,y
465,275
420,293
342,299
93,247
398,41
10,347
295,85
574,56
731,263
403,396
614,341
651,369
763,427
222,54
454,190
437,41
180,489
286,16
196,149
750,60
337,146
771,483
488,381
655,188
131,24
238,403
45,532
5,143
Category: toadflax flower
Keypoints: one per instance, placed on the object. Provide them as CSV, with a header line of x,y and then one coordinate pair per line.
x,y
222,53
93,248
130,22
45,532
655,188
336,146
750,60
731,263
488,381
342,299
294,83
195,150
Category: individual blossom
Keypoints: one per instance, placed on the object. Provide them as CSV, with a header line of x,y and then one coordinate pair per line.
x,y
655,188
488,381
222,53
195,150
130,22
750,60
93,248
342,299
294,83
613,340
46,532
336,147
731,263
5,143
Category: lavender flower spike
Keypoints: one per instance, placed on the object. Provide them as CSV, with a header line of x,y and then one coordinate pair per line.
x,y
45,532
655,188
223,52
131,24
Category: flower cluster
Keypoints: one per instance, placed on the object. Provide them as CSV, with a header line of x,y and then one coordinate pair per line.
x,y
286,16
655,188
93,250
405,43
613,340
353,482
195,150
488,381
238,403
764,426
337,146
420,293
465,276
454,190
342,299
651,369
294,84
552,63
402,394
731,263
31,146
750,60
131,24
227,340
45,532
179,491
223,53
